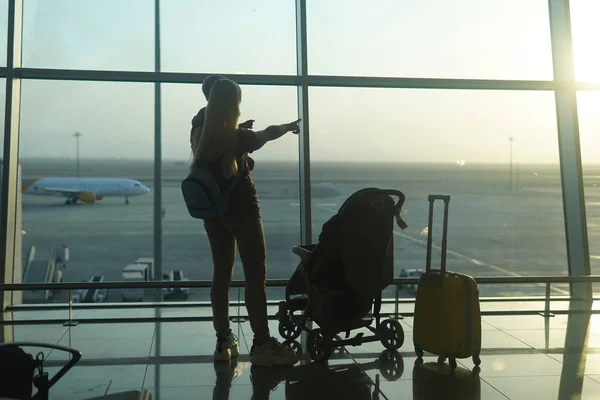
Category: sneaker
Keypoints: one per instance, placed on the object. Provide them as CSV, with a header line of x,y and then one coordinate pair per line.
x,y
226,372
227,347
272,353
267,379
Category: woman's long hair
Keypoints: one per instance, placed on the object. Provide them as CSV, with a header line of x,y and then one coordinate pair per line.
x,y
217,143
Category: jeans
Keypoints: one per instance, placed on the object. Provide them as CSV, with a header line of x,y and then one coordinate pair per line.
x,y
247,232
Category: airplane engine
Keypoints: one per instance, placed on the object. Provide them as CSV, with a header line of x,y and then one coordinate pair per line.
x,y
99,197
87,197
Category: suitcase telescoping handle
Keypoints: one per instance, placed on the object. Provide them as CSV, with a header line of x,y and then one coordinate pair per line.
x,y
446,200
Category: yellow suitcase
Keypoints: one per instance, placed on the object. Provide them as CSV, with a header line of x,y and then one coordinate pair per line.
x,y
447,318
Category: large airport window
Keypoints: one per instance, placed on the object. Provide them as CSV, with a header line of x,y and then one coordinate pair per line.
x,y
83,147
235,37
3,31
430,39
239,36
585,31
185,244
494,152
589,129
106,35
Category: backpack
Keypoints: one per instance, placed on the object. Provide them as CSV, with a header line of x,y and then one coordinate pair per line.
x,y
202,194
17,369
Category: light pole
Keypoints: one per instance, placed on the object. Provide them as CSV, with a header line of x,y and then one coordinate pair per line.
x,y
77,135
511,162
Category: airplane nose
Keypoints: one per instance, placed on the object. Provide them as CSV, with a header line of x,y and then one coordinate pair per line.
x,y
146,189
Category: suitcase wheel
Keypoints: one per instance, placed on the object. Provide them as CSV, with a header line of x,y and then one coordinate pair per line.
x,y
452,363
419,352
476,361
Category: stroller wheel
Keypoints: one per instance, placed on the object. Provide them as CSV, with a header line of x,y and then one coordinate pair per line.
x,y
294,345
318,346
289,329
290,326
391,365
392,334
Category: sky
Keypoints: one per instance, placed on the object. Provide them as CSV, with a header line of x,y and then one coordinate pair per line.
x,y
491,39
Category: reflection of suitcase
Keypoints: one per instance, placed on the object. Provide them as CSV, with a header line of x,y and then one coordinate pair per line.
x,y
432,381
447,320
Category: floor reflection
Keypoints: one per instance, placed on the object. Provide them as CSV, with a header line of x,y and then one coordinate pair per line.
x,y
435,380
524,357
575,354
343,379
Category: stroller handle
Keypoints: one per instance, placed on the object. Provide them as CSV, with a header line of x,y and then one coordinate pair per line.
x,y
397,193
303,251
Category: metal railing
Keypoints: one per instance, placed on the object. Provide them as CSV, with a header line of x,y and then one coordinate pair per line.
x,y
540,280
486,280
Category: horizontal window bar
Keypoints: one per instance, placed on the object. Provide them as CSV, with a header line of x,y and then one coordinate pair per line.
x,y
290,80
149,77
488,280
428,83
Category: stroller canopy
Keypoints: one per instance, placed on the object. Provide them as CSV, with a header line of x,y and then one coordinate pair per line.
x,y
362,230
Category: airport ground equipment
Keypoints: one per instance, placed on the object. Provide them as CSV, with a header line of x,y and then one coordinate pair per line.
x,y
49,270
91,295
135,273
173,276
148,261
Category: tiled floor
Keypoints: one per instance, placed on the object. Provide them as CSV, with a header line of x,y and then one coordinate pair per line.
x,y
524,357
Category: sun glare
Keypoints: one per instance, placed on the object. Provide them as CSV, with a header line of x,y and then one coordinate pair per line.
x,y
585,32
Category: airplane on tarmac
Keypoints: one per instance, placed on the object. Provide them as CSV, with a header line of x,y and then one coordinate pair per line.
x,y
86,190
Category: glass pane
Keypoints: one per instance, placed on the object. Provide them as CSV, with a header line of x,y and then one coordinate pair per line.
x,y
258,38
449,142
275,174
3,31
497,39
589,133
76,188
585,31
106,35
2,111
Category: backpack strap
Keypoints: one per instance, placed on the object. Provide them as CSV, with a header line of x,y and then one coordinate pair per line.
x,y
229,191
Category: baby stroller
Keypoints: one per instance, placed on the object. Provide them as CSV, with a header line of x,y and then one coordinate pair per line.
x,y
339,280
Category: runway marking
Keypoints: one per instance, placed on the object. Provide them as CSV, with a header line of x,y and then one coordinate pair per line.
x,y
474,260
463,256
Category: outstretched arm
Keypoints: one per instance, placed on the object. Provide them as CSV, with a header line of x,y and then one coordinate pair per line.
x,y
274,132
